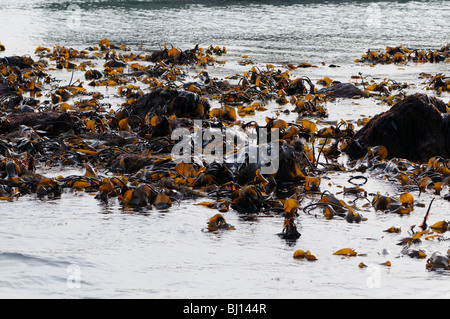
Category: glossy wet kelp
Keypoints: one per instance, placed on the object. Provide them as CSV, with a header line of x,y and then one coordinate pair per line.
x,y
125,152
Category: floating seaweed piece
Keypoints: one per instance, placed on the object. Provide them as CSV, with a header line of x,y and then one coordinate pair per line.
x,y
162,201
391,204
108,189
312,183
417,253
140,196
301,254
290,231
441,226
218,222
248,199
393,229
345,252
225,113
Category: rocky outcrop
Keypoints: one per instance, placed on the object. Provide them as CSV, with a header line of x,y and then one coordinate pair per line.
x,y
344,90
416,128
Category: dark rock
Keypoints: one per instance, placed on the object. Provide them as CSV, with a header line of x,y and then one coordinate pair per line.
x,y
14,102
416,128
346,90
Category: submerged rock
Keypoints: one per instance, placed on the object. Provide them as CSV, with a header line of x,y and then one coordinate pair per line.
x,y
346,90
416,128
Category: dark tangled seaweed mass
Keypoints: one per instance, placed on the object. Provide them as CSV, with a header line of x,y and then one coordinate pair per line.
x,y
125,150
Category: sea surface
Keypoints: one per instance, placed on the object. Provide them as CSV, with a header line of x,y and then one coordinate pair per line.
x,y
78,247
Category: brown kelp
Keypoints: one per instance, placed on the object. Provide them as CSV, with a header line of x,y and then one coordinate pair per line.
x,y
402,55
126,151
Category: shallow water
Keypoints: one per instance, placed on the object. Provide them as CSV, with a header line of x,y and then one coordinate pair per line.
x,y
77,247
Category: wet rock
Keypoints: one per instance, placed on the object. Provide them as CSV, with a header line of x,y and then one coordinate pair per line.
x,y
438,261
416,128
345,90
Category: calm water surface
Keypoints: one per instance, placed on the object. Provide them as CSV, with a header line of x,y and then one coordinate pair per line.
x,y
77,247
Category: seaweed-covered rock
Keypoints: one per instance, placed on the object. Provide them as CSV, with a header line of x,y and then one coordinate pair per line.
x,y
51,123
416,128
20,61
171,101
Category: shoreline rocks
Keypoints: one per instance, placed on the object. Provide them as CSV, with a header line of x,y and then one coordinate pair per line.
x,y
416,128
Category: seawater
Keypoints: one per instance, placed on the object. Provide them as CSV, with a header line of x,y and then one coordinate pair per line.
x,y
268,31
77,247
